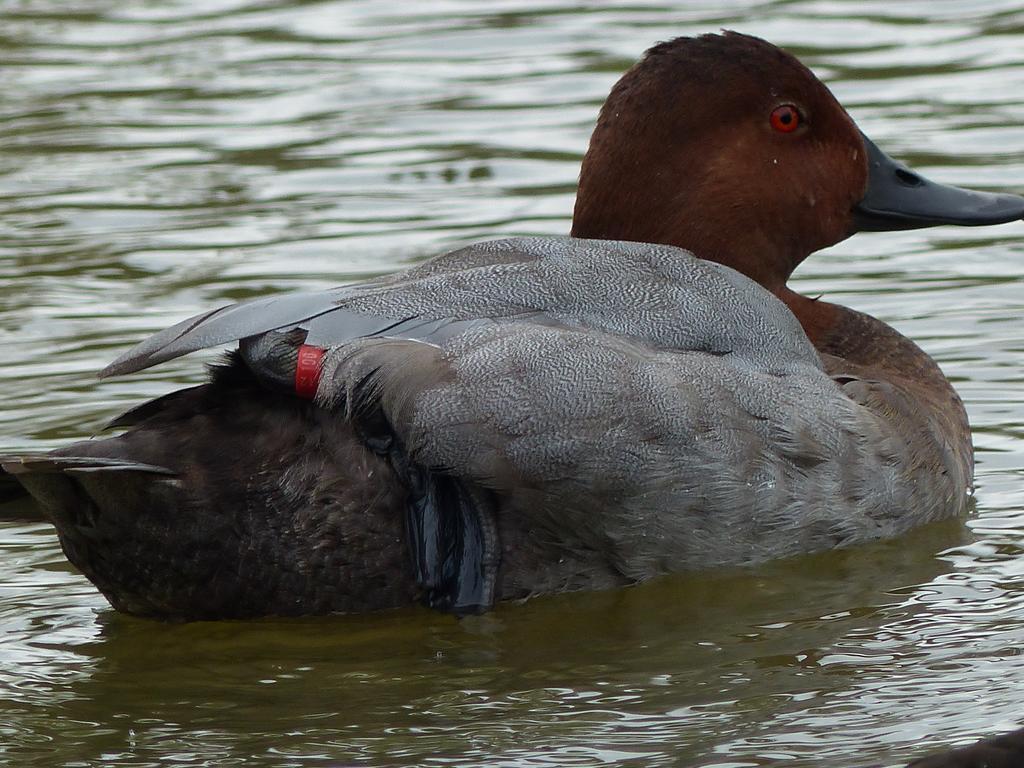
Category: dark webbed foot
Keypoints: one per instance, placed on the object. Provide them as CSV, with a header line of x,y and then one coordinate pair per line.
x,y
452,541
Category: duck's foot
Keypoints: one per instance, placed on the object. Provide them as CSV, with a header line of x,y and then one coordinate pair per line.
x,y
453,541
450,525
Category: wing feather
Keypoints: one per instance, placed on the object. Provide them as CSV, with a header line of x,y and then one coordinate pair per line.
x,y
227,324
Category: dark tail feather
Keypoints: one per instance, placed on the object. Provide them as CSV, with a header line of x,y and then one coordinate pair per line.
x,y
47,464
11,491
78,493
66,486
10,488
45,477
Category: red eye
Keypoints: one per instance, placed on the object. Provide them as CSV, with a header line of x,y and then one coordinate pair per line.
x,y
785,119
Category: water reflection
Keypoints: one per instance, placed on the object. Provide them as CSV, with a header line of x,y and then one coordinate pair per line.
x,y
639,672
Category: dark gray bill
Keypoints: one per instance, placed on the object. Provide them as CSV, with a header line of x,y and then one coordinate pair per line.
x,y
898,198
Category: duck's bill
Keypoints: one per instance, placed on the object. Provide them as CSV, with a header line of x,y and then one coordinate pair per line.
x,y
898,198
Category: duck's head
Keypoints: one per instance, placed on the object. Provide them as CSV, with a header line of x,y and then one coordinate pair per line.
x,y
731,148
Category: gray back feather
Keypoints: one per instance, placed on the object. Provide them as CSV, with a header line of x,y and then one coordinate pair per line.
x,y
653,293
629,400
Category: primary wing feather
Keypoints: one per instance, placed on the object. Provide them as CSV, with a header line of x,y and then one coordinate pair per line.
x,y
224,325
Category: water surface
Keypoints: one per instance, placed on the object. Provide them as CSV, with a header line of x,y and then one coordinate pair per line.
x,y
160,158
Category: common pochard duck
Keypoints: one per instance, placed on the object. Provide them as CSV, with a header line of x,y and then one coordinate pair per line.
x,y
536,415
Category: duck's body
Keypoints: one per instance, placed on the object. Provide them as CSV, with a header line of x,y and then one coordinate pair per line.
x,y
678,419
545,414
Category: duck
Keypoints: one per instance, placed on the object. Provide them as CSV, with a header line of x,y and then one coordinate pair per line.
x,y
644,396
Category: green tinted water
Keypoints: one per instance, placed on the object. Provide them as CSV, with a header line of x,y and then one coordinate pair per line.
x,y
159,158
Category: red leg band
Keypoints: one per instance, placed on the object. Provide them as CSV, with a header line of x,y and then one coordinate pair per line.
x,y
307,371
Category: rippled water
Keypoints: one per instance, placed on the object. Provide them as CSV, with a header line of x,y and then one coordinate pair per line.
x,y
157,158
